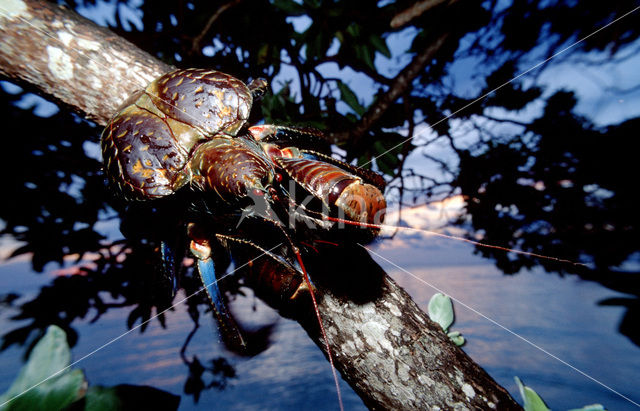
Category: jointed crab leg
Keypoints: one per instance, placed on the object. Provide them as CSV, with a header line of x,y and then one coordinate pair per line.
x,y
201,249
320,323
169,265
186,131
305,286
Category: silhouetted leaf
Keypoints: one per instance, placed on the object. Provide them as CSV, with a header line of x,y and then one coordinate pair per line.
x,y
380,45
129,397
290,7
349,97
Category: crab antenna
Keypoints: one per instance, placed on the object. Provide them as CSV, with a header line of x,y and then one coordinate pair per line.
x,y
453,237
307,280
322,330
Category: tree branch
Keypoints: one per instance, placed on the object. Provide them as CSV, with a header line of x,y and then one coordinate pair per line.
x,y
197,41
401,84
383,344
416,10
83,66
385,347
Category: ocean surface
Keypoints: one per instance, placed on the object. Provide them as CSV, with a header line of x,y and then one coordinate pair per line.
x,y
546,329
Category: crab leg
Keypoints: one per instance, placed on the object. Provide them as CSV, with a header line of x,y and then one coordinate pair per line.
x,y
201,249
169,265
299,137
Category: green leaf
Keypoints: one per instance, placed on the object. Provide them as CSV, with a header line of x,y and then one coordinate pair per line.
x,y
353,30
352,118
457,338
314,46
386,160
44,382
130,397
102,399
441,310
380,45
386,151
364,54
532,401
591,407
57,393
383,166
349,97
263,54
290,7
314,4
37,388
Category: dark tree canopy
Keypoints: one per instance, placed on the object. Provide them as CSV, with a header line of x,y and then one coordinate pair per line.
x,y
372,84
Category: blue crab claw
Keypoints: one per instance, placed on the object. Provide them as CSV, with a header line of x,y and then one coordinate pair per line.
x,y
230,333
208,276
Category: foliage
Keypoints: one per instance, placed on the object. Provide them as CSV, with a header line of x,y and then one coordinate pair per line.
x,y
343,67
441,311
57,191
558,187
47,381
50,357
334,65
533,402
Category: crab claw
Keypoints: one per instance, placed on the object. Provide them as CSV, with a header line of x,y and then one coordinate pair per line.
x,y
199,246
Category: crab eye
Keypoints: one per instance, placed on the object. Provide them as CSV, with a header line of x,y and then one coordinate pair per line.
x,y
278,178
257,192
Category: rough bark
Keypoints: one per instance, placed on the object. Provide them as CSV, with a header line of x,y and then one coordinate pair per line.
x,y
86,67
395,357
386,347
383,344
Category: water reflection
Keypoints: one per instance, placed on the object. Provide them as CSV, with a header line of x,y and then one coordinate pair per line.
x,y
559,314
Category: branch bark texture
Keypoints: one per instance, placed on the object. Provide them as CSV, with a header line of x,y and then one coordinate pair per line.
x,y
384,345
396,358
65,56
387,348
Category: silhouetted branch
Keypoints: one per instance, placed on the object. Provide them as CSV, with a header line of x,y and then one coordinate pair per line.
x,y
215,16
413,12
401,84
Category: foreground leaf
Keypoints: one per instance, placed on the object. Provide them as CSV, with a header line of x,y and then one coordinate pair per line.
x,y
457,338
45,382
532,401
591,407
102,399
441,310
130,397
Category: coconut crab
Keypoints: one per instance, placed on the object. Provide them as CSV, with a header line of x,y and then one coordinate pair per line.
x,y
186,132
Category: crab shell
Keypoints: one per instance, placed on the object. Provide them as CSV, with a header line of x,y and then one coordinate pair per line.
x,y
148,143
